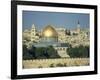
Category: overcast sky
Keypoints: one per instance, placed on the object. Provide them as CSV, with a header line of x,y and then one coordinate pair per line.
x,y
57,19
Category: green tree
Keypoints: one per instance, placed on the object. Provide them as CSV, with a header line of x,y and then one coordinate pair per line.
x,y
46,52
81,51
26,54
67,32
52,53
40,53
31,51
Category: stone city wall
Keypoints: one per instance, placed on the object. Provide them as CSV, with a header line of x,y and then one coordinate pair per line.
x,y
63,62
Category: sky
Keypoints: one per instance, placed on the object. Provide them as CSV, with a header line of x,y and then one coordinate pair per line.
x,y
58,19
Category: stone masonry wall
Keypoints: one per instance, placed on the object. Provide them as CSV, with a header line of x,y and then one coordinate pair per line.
x,y
63,62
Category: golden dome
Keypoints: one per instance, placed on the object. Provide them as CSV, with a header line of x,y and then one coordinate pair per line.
x,y
49,31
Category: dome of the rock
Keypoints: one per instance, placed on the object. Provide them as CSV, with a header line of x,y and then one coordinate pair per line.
x,y
49,34
49,31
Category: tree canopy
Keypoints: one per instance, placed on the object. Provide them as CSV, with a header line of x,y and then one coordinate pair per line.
x,y
81,51
39,52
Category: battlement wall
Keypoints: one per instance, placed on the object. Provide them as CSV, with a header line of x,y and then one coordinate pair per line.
x,y
63,62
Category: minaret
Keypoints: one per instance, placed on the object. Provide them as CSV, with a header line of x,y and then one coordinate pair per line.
x,y
33,32
78,27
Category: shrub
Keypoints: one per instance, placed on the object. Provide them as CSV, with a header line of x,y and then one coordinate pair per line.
x,y
40,67
52,65
59,65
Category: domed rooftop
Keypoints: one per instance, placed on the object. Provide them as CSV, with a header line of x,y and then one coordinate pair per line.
x,y
49,31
